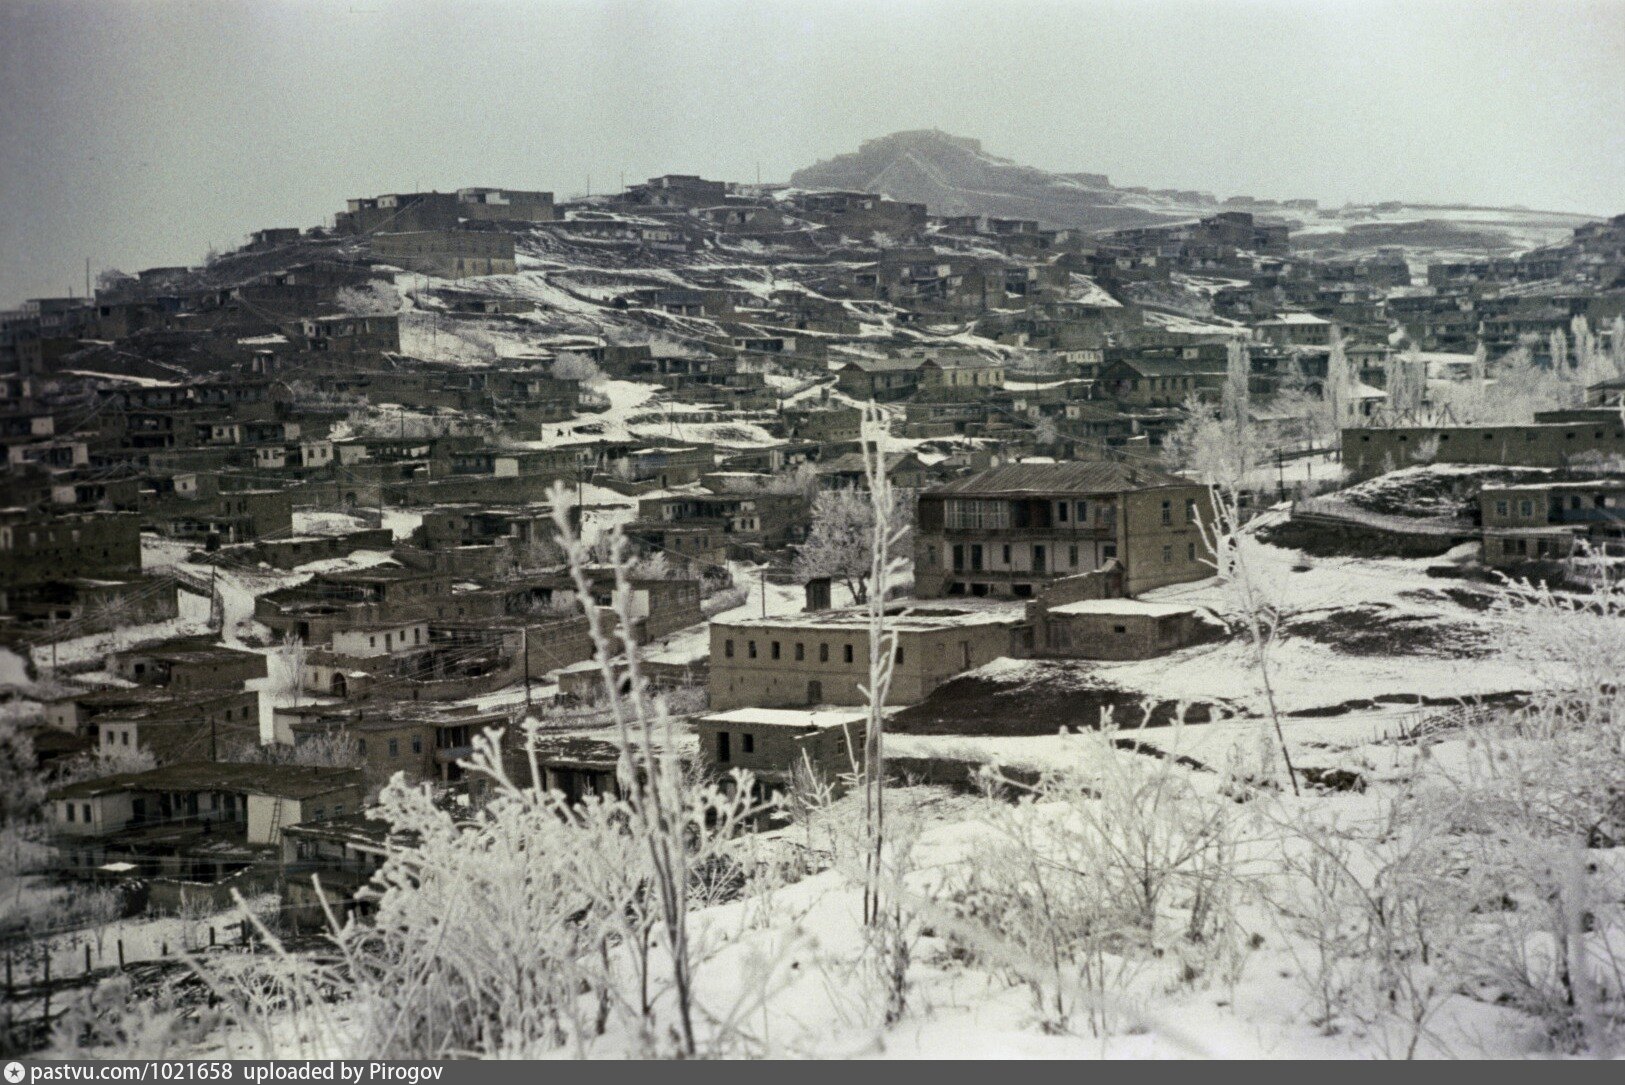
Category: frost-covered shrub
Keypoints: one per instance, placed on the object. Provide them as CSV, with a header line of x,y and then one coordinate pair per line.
x,y
1092,875
1529,819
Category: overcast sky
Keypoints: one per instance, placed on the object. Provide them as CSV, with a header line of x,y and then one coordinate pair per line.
x,y
138,134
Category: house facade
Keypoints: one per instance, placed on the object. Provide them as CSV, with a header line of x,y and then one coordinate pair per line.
x,y
1007,531
814,659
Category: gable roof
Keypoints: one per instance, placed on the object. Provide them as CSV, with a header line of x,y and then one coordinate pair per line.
x,y
1080,476
1167,367
284,781
883,365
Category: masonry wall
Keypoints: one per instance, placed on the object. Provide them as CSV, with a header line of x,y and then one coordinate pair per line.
x,y
777,752
1160,537
37,550
215,730
929,658
217,674
1370,452
372,749
1111,636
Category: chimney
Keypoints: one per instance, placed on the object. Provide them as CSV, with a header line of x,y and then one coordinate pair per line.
x,y
817,594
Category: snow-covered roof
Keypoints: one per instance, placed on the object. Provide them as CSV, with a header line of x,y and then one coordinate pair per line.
x,y
809,719
858,619
1128,608
1295,318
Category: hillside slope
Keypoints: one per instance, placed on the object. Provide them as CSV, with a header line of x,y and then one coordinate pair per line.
x,y
953,175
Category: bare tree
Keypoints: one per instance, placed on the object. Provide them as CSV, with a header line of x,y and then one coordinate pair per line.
x,y
1214,449
291,655
375,298
577,367
841,543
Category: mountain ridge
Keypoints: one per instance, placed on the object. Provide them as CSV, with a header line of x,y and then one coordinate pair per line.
x,y
955,175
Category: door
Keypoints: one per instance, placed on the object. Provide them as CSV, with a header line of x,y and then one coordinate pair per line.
x,y
1038,557
815,693
724,752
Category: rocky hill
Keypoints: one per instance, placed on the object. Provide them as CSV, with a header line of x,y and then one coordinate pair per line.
x,y
953,175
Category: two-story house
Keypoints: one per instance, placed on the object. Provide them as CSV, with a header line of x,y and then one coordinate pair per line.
x,y
1006,531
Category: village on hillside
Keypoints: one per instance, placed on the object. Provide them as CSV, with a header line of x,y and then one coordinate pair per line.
x,y
326,552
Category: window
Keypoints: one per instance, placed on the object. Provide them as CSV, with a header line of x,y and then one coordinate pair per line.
x,y
1190,551
1500,508
70,807
1167,555
976,515
124,738
801,651
417,743
1060,511
846,653
724,753
361,746
1526,508
1167,513
728,649
394,747
1108,551
1007,554
899,655
1119,629
1072,554
823,653
976,557
1190,510
775,649
1083,511
747,743
321,812
750,649
84,813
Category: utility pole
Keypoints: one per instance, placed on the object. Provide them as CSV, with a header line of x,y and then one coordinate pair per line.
x,y
217,610
1280,473
525,629
764,591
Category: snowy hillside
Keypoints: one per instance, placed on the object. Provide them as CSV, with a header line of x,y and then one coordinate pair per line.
x,y
955,176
